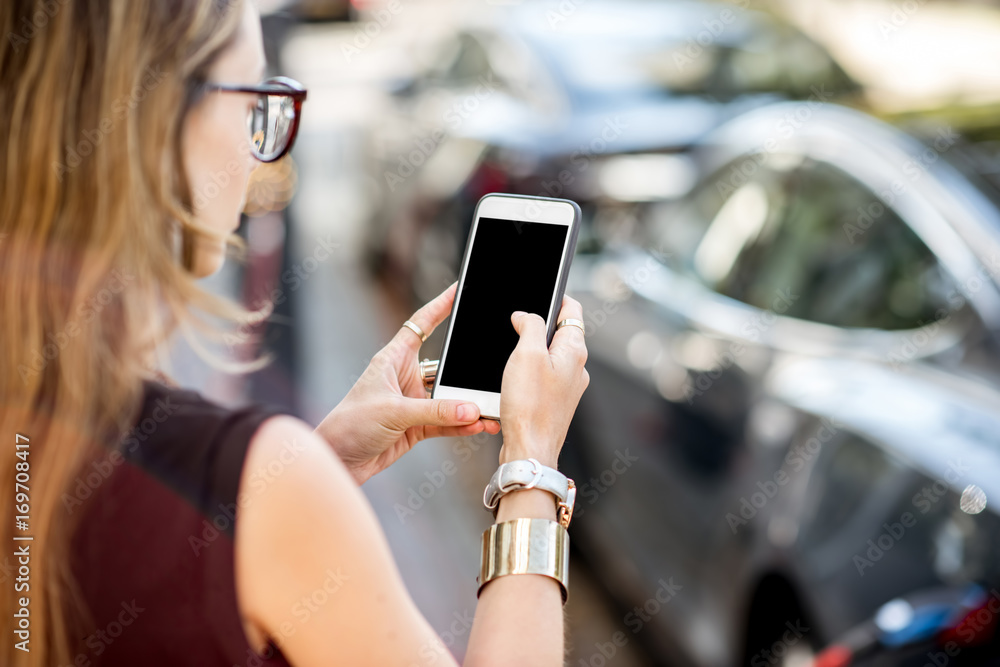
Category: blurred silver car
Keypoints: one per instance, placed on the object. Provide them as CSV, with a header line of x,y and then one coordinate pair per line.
x,y
801,358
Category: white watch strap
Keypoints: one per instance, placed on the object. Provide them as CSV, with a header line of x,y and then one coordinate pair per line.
x,y
526,474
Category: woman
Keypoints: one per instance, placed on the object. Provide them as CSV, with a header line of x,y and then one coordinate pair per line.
x,y
162,528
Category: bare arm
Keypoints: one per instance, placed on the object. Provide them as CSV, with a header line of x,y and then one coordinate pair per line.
x,y
519,619
313,569
315,574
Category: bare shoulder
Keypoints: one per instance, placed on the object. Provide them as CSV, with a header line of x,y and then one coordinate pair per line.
x,y
278,447
313,566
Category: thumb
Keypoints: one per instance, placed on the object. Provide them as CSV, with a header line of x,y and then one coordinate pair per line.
x,y
434,412
531,328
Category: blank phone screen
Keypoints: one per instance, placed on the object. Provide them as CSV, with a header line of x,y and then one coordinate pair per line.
x,y
514,265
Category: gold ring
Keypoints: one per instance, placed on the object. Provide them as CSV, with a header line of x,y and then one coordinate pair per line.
x,y
415,329
572,323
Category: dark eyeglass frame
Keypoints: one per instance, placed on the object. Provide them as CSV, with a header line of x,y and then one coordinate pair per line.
x,y
277,85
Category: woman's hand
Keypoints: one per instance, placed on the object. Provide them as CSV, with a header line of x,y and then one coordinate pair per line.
x,y
542,386
386,412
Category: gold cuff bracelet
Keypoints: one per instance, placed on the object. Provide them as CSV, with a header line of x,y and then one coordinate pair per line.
x,y
525,546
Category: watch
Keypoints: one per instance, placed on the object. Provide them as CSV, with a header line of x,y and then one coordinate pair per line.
x,y
530,474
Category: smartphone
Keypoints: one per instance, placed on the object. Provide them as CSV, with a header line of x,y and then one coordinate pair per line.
x,y
517,257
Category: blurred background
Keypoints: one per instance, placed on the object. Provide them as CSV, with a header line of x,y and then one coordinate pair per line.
x,y
789,451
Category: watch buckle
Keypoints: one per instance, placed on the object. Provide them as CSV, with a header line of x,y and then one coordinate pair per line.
x,y
565,509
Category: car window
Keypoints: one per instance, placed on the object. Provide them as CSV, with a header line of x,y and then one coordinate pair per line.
x,y
769,58
779,60
462,61
810,236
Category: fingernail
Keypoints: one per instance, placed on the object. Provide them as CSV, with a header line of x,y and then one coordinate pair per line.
x,y
467,412
517,313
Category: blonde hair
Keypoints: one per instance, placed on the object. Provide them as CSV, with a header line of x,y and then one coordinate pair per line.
x,y
97,236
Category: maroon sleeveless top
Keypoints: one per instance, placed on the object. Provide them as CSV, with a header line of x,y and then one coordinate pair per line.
x,y
153,549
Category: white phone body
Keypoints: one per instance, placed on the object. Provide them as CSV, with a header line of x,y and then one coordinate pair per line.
x,y
514,260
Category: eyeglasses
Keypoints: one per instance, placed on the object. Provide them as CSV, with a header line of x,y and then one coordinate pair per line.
x,y
274,120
